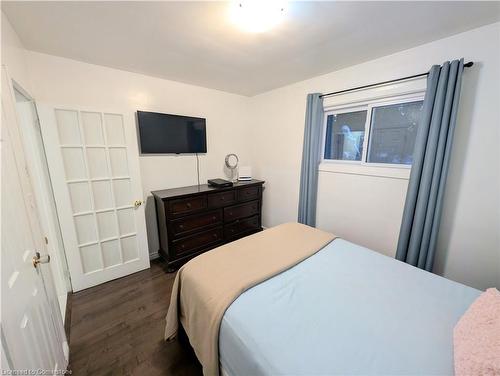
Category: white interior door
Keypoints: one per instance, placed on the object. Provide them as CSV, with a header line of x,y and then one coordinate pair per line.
x,y
39,173
94,168
32,332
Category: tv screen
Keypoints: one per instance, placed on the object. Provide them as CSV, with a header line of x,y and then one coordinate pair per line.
x,y
163,133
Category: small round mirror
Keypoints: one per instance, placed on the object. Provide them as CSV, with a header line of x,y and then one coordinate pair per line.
x,y
231,163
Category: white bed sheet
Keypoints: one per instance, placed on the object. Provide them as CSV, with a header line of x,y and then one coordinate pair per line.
x,y
345,310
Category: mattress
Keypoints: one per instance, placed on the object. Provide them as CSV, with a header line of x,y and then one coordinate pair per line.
x,y
345,310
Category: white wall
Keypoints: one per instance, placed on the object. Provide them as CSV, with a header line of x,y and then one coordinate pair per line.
x,y
60,81
14,55
368,209
364,209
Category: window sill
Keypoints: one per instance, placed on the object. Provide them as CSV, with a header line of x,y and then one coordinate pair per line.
x,y
352,168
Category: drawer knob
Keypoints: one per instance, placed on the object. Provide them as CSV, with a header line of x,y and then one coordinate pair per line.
x,y
230,213
215,236
188,204
182,246
181,226
223,198
214,217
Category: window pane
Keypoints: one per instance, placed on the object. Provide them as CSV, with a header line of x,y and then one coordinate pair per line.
x,y
344,136
393,132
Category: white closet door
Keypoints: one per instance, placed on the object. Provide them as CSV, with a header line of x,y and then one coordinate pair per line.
x,y
94,167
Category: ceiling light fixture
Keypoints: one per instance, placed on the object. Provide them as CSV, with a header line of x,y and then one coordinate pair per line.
x,y
256,16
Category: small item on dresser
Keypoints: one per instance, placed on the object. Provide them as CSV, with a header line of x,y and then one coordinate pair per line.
x,y
245,173
219,183
231,162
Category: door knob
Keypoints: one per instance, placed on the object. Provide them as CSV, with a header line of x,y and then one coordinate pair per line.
x,y
137,203
38,259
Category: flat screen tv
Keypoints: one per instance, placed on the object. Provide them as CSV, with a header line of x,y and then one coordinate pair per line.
x,y
165,134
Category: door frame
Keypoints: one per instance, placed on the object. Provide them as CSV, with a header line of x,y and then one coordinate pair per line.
x,y
48,124
45,199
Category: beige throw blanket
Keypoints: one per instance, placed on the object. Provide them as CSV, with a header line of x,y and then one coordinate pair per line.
x,y
206,286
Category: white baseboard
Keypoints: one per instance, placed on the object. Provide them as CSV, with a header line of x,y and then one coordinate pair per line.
x,y
154,255
62,299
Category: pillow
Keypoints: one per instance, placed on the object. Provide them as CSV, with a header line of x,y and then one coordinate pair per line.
x,y
476,337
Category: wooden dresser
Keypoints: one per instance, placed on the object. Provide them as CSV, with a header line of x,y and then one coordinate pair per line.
x,y
192,220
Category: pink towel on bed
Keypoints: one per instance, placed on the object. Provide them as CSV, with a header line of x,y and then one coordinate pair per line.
x,y
476,337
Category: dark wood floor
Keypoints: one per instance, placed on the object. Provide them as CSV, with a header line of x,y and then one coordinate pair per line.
x,y
117,328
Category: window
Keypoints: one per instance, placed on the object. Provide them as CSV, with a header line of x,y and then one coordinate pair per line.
x,y
393,133
387,130
345,134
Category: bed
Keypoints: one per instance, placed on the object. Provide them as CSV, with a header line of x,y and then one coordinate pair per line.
x,y
343,310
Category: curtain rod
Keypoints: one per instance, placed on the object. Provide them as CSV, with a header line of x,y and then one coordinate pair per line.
x,y
466,65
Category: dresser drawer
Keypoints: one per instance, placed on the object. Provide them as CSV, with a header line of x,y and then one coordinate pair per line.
x,y
240,211
187,224
186,205
217,200
250,193
198,241
241,226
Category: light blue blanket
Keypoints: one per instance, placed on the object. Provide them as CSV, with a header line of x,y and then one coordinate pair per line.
x,y
345,310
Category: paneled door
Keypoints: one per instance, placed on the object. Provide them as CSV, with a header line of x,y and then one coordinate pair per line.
x,y
94,167
32,333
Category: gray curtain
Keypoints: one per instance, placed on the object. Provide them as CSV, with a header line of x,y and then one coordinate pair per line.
x,y
431,157
310,160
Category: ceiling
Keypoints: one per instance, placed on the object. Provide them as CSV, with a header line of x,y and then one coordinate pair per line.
x,y
195,43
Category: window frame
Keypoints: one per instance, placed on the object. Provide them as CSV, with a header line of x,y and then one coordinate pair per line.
x,y
365,105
